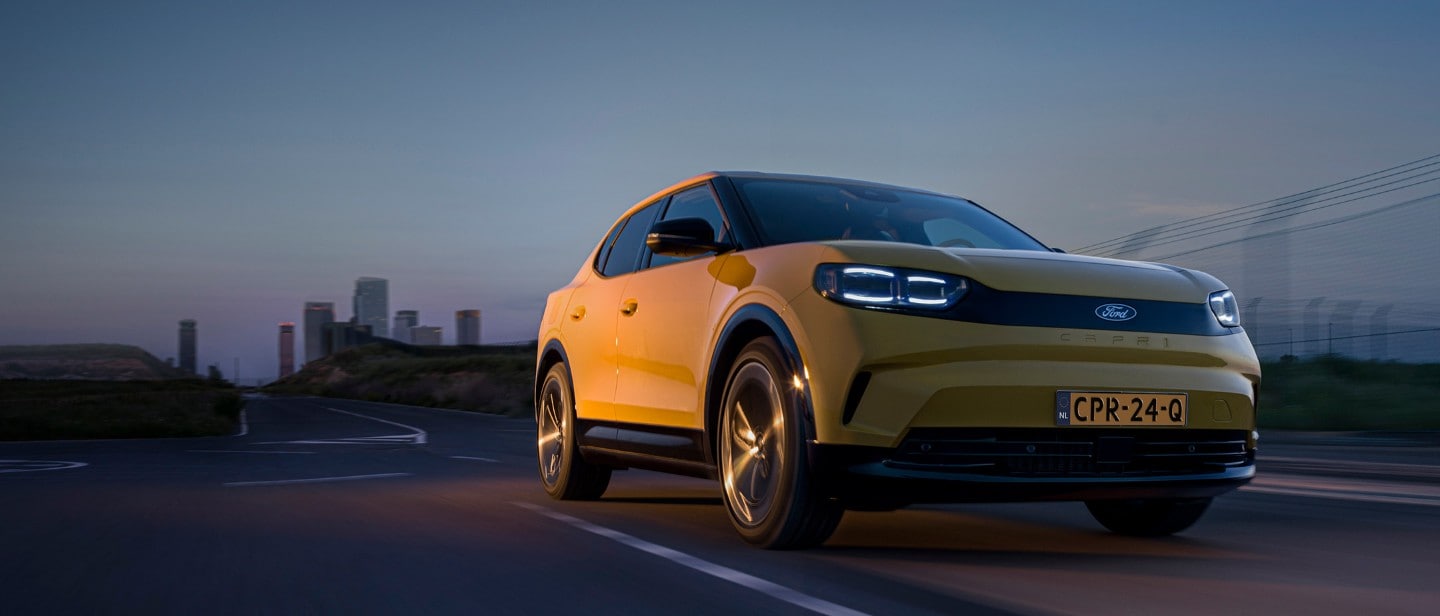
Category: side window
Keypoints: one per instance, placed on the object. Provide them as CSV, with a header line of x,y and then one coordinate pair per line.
x,y
605,246
696,202
625,252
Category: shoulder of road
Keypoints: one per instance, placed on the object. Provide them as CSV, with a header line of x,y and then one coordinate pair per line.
x,y
1411,456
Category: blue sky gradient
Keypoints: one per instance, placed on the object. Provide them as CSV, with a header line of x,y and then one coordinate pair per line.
x,y
227,163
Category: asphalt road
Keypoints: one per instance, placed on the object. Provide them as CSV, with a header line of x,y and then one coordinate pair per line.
x,y
331,506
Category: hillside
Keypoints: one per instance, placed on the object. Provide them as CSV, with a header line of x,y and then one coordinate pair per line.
x,y
93,362
487,379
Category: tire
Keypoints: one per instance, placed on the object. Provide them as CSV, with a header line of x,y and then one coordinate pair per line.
x,y
764,476
1148,518
563,472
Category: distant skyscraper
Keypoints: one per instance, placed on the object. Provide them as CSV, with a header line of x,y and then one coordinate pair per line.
x,y
372,305
317,314
187,346
467,327
425,335
287,349
342,335
404,320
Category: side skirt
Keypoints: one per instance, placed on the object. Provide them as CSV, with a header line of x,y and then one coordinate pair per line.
x,y
678,451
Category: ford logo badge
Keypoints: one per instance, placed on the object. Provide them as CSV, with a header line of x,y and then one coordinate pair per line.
x,y
1115,312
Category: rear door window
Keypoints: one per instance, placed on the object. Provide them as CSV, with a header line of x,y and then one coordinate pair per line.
x,y
624,255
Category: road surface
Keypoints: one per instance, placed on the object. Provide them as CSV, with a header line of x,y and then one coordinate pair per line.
x,y
329,506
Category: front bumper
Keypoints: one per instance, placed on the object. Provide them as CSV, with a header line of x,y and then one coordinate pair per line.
x,y
1016,465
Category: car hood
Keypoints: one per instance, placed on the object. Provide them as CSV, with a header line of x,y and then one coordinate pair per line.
x,y
1036,271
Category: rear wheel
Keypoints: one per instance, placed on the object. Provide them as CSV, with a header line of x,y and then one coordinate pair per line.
x,y
769,492
1148,518
565,475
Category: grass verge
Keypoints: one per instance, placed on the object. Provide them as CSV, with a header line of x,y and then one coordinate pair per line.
x,y
1334,393
51,410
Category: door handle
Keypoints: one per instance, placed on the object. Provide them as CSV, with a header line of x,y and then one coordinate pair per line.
x,y
629,307
578,314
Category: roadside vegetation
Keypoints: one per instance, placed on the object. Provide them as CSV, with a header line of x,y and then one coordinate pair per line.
x,y
1334,393
79,409
474,378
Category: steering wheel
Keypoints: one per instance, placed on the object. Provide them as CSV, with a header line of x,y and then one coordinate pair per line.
x,y
961,242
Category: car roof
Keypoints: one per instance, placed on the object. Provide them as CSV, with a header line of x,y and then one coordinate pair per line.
x,y
792,177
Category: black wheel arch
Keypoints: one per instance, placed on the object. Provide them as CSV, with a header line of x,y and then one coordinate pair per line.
x,y
746,324
552,353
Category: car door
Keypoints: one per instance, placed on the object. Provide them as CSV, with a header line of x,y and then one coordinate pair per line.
x,y
665,327
591,315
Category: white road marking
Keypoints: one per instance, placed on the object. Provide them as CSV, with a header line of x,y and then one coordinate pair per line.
x,y
1356,466
244,424
474,458
393,439
245,451
415,437
783,593
27,466
419,436
1388,492
287,482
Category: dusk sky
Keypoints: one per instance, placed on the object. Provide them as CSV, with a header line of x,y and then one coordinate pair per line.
x,y
229,162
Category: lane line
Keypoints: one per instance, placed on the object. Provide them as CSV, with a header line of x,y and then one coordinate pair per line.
x,y
1364,498
783,593
420,436
474,458
1357,466
287,482
1346,489
245,451
30,466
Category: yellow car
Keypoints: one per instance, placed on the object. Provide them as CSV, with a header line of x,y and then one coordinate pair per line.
x,y
821,344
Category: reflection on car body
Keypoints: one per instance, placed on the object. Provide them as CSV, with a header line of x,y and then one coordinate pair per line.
x,y
820,344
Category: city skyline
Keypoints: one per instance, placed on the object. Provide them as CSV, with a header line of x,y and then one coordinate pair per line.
x,y
159,165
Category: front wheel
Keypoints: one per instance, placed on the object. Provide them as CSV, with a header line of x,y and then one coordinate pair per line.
x,y
769,492
1148,518
565,475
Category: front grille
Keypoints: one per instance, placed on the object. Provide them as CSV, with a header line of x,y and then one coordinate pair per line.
x,y
1075,452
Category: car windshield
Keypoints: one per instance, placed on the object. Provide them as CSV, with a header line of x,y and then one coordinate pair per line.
x,y
789,211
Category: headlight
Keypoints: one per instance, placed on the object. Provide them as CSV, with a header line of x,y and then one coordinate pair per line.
x,y
874,286
1226,310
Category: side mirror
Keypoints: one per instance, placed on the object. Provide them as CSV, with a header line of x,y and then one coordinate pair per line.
x,y
683,237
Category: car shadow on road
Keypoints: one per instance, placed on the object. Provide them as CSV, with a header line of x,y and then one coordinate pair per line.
x,y
921,534
713,501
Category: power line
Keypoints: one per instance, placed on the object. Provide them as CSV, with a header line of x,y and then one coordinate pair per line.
x,y
1308,227
1304,208
1272,203
1326,339
1413,166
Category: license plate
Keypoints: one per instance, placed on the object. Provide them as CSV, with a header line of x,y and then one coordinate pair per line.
x,y
1119,408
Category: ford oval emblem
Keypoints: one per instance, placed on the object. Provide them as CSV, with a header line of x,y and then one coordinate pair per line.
x,y
1115,312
